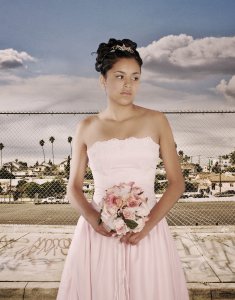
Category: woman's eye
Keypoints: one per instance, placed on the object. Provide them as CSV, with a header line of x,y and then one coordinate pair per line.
x,y
134,78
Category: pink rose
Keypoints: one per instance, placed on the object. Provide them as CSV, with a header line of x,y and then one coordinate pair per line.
x,y
111,200
133,202
120,226
118,202
128,213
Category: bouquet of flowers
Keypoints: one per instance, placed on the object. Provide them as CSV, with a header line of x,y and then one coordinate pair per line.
x,y
124,208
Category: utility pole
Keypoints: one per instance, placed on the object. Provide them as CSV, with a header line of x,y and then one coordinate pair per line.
x,y
220,174
199,159
10,182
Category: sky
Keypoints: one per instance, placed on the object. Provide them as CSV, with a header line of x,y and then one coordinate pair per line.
x,y
188,50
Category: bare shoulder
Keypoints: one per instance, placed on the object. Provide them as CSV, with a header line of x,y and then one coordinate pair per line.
x,y
155,116
85,129
82,128
159,118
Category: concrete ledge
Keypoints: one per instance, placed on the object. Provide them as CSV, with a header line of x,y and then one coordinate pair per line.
x,y
41,290
28,290
211,291
48,291
12,290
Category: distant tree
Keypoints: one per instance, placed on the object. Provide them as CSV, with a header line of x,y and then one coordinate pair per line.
x,y
52,139
23,165
21,183
67,167
1,148
32,188
230,169
190,187
185,172
4,174
232,157
181,153
198,168
16,195
52,188
160,176
42,144
88,174
157,186
47,171
70,141
216,168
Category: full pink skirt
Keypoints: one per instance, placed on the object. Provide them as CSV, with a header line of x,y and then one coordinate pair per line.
x,y
102,268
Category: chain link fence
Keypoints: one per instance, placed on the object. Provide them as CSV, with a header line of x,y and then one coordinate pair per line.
x,y
36,149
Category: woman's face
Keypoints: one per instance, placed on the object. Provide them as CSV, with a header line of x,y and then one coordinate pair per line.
x,y
122,81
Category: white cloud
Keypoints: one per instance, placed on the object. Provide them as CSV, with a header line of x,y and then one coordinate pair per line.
x,y
182,57
227,89
73,93
173,78
11,59
51,93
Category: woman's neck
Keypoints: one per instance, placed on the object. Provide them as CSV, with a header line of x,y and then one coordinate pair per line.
x,y
118,114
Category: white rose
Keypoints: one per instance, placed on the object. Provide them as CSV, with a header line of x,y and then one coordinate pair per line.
x,y
142,210
120,226
140,225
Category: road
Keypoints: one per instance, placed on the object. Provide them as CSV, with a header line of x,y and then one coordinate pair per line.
x,y
208,213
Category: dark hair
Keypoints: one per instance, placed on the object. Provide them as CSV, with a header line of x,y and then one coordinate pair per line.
x,y
106,58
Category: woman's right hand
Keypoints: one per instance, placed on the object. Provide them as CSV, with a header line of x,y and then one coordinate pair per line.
x,y
93,221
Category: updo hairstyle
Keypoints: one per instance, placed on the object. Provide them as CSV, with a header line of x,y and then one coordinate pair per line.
x,y
108,54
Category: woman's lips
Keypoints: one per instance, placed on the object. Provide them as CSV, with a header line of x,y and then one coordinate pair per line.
x,y
126,93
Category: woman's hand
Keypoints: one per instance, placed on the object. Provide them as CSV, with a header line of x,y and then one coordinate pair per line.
x,y
93,221
133,238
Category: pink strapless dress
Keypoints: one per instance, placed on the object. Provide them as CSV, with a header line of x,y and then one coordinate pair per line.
x,y
102,268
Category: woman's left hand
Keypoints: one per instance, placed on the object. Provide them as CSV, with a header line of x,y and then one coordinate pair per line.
x,y
133,238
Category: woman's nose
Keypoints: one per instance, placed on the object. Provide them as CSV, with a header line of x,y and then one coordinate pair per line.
x,y
127,83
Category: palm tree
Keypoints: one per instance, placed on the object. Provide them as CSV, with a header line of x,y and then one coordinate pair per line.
x,y
42,144
70,140
1,147
52,139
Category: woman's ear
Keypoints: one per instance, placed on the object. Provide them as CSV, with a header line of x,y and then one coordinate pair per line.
x,y
102,81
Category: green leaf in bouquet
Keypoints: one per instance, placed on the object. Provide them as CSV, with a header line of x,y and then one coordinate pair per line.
x,y
130,223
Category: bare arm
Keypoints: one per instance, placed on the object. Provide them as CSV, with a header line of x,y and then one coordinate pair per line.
x,y
75,185
78,167
176,185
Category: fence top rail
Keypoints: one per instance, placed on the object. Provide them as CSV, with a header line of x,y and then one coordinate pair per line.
x,y
96,112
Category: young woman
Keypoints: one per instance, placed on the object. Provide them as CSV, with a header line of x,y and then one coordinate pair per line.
x,y
122,144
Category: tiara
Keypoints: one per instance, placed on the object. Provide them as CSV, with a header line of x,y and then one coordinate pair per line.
x,y
122,48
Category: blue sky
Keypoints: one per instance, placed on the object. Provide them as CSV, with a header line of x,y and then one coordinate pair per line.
x,y
188,49
61,34
46,44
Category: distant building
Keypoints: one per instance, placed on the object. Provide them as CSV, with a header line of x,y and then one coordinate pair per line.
x,y
41,167
62,165
227,182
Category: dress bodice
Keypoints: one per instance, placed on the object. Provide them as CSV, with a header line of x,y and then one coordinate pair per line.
x,y
122,160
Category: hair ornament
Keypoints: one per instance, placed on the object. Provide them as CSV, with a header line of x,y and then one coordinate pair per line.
x,y
122,48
